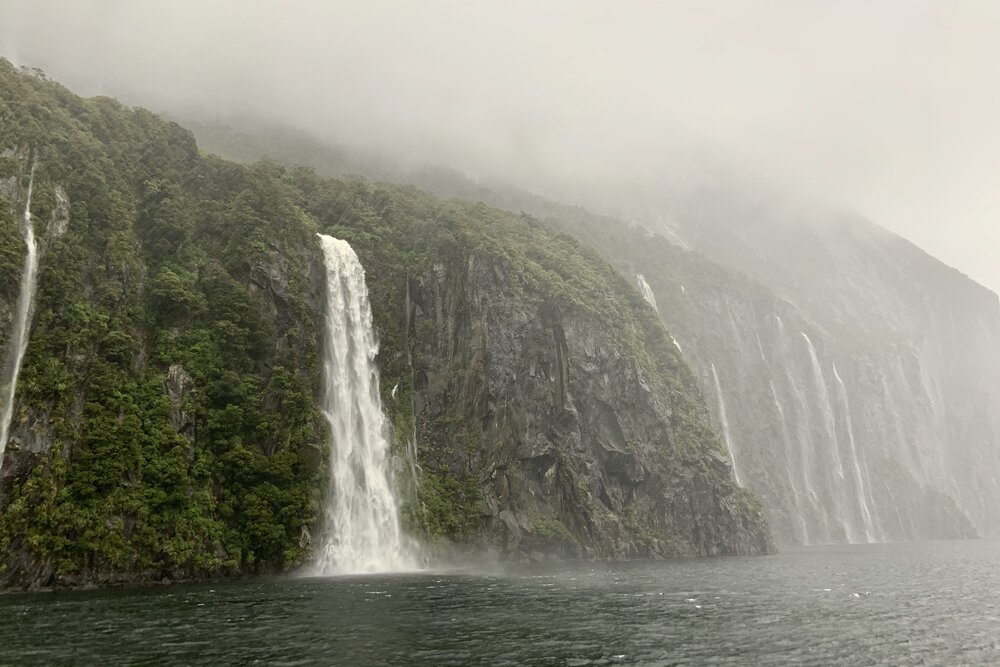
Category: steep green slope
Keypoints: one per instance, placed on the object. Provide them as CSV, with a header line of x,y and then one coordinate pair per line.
x,y
166,420
165,417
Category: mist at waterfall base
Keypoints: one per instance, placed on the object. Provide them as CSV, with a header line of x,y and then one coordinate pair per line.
x,y
834,605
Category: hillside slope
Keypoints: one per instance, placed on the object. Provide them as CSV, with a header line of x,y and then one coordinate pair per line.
x,y
165,420
859,377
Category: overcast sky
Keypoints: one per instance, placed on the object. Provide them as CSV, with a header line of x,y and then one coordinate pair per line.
x,y
890,107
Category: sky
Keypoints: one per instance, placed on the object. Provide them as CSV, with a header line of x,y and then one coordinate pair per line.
x,y
891,107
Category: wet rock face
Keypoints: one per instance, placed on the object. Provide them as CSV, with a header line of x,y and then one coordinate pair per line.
x,y
178,384
862,402
910,356
569,437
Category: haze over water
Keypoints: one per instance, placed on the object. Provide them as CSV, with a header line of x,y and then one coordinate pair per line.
x,y
904,604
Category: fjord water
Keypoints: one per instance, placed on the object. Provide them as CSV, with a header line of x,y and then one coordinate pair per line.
x,y
22,323
361,531
898,604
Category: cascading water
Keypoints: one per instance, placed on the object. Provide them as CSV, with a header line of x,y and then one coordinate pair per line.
x,y
724,420
362,531
800,422
824,397
859,481
786,441
646,290
835,485
22,323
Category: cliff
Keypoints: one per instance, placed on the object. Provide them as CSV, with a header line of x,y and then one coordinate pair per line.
x,y
819,425
859,377
165,422
916,346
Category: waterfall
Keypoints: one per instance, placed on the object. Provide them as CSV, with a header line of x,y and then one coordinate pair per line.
x,y
786,441
760,348
859,482
799,419
825,404
362,531
646,290
832,444
724,420
22,323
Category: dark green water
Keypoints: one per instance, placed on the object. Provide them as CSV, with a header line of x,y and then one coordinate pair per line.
x,y
903,604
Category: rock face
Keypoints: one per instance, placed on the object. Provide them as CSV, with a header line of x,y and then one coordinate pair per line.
x,y
570,436
178,385
549,411
859,375
910,354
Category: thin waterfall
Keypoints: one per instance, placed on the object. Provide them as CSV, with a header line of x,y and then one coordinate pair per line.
x,y
362,530
859,483
22,323
825,405
796,495
724,420
646,290
802,434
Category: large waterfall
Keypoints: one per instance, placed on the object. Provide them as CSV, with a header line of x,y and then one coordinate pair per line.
x,y
22,324
362,531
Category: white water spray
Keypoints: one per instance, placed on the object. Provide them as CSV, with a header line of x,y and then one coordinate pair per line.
x,y
362,531
725,424
22,323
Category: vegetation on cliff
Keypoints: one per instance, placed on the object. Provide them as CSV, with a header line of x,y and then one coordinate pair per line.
x,y
166,421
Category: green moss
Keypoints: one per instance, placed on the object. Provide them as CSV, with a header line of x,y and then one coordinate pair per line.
x,y
554,530
446,507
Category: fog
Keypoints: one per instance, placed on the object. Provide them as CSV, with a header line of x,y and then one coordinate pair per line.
x,y
891,108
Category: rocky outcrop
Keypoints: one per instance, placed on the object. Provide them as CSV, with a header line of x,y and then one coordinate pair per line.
x,y
178,384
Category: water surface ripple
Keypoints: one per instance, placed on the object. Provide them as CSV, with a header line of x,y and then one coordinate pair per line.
x,y
903,604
